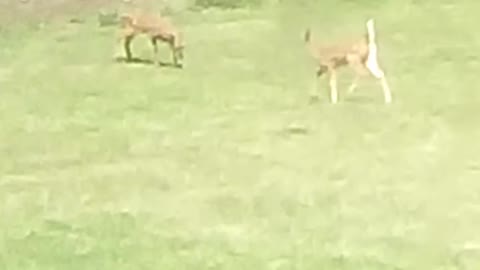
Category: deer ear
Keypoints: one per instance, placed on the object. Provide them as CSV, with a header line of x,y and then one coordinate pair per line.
x,y
307,34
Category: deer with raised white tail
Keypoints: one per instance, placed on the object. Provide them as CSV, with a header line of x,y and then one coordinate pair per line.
x,y
360,54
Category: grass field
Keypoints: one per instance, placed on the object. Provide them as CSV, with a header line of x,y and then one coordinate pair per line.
x,y
225,164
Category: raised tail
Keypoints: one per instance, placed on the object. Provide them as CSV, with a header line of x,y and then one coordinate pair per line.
x,y
371,31
372,58
372,61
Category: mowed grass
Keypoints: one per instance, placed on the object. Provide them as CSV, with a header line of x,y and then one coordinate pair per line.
x,y
225,164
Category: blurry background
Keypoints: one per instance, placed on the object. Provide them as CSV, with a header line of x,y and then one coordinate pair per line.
x,y
226,164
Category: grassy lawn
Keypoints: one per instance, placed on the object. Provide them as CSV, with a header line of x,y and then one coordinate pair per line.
x,y
226,164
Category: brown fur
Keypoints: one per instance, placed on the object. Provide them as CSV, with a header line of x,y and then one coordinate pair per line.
x,y
157,28
351,53
331,57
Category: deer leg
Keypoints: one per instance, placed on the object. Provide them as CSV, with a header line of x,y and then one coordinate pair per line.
x,y
360,71
333,86
387,93
124,37
127,35
174,54
355,62
156,59
378,73
127,40
314,91
320,71
374,68
354,84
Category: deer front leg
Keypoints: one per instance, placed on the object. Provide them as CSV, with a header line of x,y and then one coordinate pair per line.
x,y
123,37
127,40
156,59
314,93
127,34
333,86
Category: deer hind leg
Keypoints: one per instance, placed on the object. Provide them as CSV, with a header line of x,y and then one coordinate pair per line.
x,y
355,62
375,69
171,44
174,56
353,86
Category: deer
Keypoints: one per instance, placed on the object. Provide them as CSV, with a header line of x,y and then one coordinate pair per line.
x,y
156,28
359,53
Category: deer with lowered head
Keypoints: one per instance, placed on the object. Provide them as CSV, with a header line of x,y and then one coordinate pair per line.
x,y
360,54
157,28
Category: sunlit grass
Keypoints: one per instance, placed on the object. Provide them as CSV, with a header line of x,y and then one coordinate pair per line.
x,y
225,164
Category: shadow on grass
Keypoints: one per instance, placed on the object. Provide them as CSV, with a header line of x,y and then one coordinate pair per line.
x,y
315,100
359,99
136,60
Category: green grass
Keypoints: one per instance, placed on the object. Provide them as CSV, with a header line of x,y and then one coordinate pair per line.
x,y
113,166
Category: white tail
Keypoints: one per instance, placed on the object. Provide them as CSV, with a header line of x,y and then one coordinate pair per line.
x,y
372,61
366,58
371,31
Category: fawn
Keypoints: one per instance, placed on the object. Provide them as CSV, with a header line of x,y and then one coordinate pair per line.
x,y
157,28
360,54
